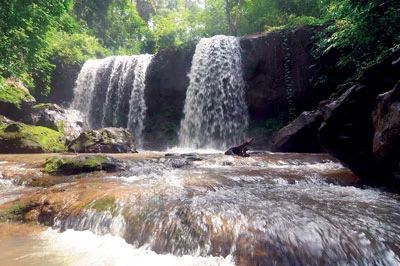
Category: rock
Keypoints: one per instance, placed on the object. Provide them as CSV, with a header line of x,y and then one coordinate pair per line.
x,y
106,140
386,141
240,150
71,122
165,94
301,135
263,59
15,100
62,165
354,128
16,137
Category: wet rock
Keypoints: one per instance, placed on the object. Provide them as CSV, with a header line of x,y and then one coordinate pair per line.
x,y
61,165
386,141
350,125
16,137
106,140
165,94
264,58
240,150
71,122
301,135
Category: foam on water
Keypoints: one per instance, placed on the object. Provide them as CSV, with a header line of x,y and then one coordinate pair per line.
x,y
84,248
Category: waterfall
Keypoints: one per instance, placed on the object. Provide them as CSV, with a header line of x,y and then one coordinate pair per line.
x,y
110,92
216,114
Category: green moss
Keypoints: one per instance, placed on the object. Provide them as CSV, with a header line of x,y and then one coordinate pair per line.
x,y
94,161
18,137
42,105
76,165
107,203
60,126
14,95
15,212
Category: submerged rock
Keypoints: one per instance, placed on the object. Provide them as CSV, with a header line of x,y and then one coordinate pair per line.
x,y
16,137
106,140
61,165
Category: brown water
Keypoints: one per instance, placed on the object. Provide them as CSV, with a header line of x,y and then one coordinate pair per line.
x,y
208,209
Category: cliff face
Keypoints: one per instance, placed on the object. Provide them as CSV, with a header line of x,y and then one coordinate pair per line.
x,y
276,68
361,127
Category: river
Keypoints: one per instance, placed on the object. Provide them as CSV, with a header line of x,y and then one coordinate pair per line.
x,y
200,208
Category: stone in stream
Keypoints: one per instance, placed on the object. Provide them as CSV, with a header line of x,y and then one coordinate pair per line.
x,y
240,150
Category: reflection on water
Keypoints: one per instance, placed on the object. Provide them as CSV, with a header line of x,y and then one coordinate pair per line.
x,y
192,209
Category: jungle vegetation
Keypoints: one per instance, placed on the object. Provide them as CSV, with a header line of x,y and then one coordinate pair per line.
x,y
35,34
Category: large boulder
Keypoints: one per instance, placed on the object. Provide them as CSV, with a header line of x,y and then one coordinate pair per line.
x,y
352,131
67,165
386,141
105,140
16,137
301,135
15,99
71,122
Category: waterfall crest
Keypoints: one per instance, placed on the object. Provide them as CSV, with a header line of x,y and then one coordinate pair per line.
x,y
110,92
216,114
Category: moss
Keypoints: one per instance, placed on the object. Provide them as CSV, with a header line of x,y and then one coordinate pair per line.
x,y
15,212
18,137
79,164
107,203
60,126
14,95
42,105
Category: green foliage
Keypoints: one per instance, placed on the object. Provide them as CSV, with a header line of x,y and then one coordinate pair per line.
x,y
362,31
24,34
75,49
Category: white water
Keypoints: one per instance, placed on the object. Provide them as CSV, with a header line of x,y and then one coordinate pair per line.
x,y
216,114
110,92
267,209
83,248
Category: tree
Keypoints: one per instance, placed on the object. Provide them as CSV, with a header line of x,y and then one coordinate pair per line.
x,y
362,31
24,35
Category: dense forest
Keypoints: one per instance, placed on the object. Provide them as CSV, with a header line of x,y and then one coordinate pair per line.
x,y
36,35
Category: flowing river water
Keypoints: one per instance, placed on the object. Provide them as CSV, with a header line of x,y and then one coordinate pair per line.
x,y
201,209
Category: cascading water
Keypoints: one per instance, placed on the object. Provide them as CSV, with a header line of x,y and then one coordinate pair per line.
x,y
110,92
216,114
268,209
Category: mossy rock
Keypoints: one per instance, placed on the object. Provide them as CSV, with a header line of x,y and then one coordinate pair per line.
x,y
105,140
15,212
17,137
62,165
15,99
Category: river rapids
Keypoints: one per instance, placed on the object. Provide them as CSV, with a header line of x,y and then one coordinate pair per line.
x,y
201,209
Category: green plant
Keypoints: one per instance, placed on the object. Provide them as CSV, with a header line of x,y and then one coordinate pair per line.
x,y
15,212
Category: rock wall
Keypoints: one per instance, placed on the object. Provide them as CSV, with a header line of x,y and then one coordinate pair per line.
x,y
165,93
274,64
361,127
270,63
